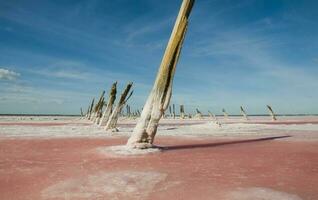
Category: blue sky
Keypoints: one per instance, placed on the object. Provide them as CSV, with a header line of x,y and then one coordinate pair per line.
x,y
56,55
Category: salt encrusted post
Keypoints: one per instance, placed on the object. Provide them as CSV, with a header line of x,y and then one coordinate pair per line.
x,y
110,103
127,111
112,122
173,111
87,112
170,112
198,114
182,115
159,98
225,113
91,109
82,114
98,106
99,111
94,115
244,113
212,115
271,112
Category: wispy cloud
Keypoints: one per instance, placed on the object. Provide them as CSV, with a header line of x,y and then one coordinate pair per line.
x,y
258,51
6,74
37,99
64,70
141,30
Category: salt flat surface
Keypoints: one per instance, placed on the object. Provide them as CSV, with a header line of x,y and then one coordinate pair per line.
x,y
123,150
106,185
52,131
257,193
232,127
37,118
241,129
188,168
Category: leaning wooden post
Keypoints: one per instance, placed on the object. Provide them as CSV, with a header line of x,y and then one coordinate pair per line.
x,y
97,109
87,112
99,113
198,114
159,98
97,106
244,113
225,113
271,113
112,122
182,115
82,114
91,109
110,103
212,115
173,111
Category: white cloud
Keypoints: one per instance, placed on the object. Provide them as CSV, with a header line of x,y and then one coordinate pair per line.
x,y
65,73
65,70
258,51
6,74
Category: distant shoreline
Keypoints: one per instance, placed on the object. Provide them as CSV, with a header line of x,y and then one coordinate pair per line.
x,y
70,115
40,115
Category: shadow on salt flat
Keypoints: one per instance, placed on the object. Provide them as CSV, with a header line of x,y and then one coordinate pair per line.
x,y
216,144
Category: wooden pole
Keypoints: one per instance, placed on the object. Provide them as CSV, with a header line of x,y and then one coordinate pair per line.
x,y
112,122
159,98
225,113
271,112
109,107
182,115
243,113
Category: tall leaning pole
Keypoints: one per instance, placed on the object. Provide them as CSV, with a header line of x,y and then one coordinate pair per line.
x,y
271,112
159,97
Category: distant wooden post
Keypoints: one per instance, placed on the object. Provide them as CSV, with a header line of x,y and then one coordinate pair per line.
x,y
212,115
127,111
82,115
182,115
87,112
244,113
198,114
99,111
112,122
225,113
159,98
271,112
174,111
170,112
109,107
91,109
94,115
